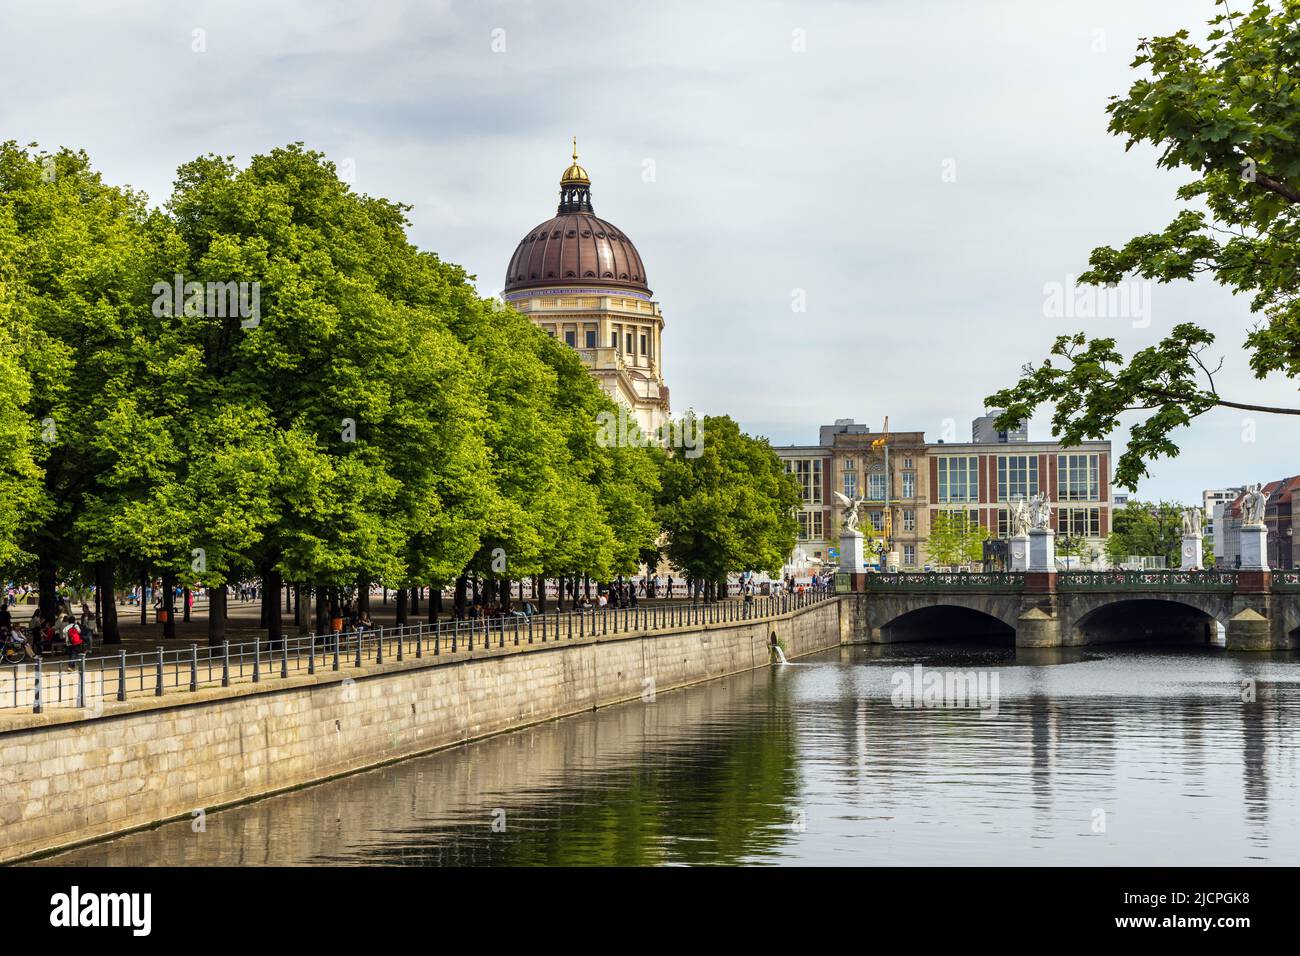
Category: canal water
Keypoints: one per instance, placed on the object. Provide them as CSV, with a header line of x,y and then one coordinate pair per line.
x,y
1114,756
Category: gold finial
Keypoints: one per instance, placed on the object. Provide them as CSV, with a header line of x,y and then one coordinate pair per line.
x,y
575,173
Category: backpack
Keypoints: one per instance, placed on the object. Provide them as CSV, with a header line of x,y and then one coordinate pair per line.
x,y
74,635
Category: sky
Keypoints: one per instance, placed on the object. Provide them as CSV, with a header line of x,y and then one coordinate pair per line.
x,y
845,209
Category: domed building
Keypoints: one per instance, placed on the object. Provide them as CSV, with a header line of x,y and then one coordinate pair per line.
x,y
582,280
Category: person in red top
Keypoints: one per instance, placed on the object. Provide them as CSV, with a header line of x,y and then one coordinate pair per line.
x,y
76,644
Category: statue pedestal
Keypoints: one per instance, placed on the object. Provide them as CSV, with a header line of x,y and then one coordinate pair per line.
x,y
852,557
1254,547
1191,553
1042,549
1018,549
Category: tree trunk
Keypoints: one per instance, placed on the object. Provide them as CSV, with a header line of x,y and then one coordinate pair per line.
x,y
363,595
539,592
458,602
144,595
403,597
169,604
322,609
435,602
271,585
216,615
297,605
185,599
415,600
47,582
110,633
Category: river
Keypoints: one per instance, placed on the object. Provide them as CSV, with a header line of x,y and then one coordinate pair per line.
x,y
1112,756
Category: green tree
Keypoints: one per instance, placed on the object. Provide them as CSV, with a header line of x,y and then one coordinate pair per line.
x,y
730,508
1228,111
1146,529
955,538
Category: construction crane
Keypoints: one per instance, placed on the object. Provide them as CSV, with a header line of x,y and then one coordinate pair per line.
x,y
883,443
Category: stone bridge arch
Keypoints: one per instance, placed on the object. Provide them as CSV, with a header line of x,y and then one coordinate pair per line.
x,y
1182,616
917,616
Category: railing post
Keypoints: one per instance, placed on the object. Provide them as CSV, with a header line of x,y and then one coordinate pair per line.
x,y
158,683
335,642
401,640
194,667
121,675
257,660
311,658
419,638
225,663
437,637
379,647
38,690
530,628
81,681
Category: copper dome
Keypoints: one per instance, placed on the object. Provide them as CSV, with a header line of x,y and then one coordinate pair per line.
x,y
575,248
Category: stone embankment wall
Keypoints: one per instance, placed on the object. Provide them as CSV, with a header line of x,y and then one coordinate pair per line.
x,y
68,778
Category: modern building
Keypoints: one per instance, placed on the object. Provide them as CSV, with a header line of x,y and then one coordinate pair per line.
x,y
904,493
985,432
582,280
1213,503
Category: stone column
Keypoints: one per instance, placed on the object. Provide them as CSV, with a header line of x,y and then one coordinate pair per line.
x,y
852,557
1191,553
1042,549
1254,547
1018,547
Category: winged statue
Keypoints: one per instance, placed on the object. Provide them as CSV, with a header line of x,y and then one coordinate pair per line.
x,y
852,508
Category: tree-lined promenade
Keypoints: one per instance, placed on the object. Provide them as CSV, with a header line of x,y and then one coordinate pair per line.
x,y
265,380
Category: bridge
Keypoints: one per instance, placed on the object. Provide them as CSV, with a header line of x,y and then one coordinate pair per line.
x,y
1243,610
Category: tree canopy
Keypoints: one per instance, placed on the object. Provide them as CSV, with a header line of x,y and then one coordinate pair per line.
x,y
265,377
1228,111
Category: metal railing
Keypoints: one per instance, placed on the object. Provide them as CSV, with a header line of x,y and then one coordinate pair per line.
x,y
88,682
1222,581
1147,580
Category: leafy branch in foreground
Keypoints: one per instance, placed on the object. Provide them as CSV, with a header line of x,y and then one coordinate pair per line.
x,y
1230,112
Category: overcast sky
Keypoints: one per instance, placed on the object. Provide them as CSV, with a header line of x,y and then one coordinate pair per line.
x,y
916,171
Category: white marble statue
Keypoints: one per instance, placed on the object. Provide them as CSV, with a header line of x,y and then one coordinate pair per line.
x,y
1040,512
1192,521
852,511
1252,506
1018,517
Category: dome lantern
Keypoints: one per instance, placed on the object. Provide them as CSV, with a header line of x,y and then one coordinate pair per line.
x,y
575,187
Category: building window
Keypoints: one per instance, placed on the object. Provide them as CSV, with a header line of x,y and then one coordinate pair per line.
x,y
810,525
909,555
550,330
591,339
877,520
1017,477
850,464
643,348
613,340
1078,477
909,484
907,462
909,519
571,339
851,484
876,487
808,471
1079,522
958,479
628,340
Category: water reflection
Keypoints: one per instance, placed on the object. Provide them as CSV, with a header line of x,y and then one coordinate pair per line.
x,y
812,763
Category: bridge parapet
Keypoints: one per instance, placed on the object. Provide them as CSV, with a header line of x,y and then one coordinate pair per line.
x,y
1217,581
